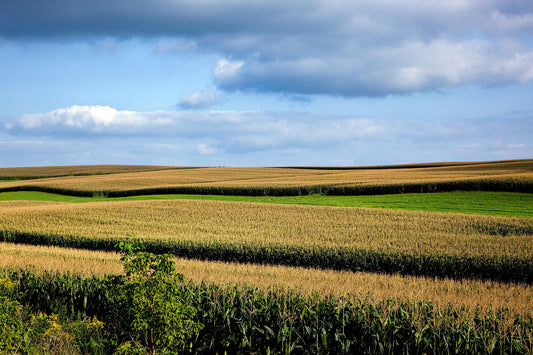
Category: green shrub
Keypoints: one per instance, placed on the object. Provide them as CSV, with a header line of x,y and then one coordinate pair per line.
x,y
150,307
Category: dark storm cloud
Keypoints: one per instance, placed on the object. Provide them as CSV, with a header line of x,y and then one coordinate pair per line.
x,y
345,48
79,18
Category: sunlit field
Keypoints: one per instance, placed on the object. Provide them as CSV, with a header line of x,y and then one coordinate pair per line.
x,y
419,256
512,176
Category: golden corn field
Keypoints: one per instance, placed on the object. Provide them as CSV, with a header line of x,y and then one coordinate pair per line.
x,y
463,279
262,180
268,225
51,171
327,283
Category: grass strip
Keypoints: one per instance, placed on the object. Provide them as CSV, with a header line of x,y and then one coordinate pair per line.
x,y
505,269
475,202
250,320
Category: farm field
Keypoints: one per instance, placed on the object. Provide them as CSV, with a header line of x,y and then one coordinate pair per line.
x,y
483,295
398,272
267,225
511,176
8,174
477,202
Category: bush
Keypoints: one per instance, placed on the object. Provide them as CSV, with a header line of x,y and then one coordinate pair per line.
x,y
150,310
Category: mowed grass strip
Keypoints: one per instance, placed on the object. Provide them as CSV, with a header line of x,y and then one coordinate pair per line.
x,y
484,295
475,202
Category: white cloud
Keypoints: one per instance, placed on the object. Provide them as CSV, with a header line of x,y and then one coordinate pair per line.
x,y
233,130
86,120
96,134
199,99
521,23
224,69
205,149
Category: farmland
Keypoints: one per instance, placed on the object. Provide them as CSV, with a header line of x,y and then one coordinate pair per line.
x,y
327,283
511,176
476,202
8,174
354,268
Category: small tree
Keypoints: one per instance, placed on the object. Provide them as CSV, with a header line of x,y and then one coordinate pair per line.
x,y
155,317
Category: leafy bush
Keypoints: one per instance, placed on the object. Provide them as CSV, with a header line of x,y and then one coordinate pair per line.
x,y
150,308
144,311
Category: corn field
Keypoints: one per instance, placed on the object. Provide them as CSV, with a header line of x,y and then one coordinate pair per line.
x,y
406,242
512,176
75,170
247,319
374,287
268,278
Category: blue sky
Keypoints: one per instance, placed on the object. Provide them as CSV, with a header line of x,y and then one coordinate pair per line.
x,y
265,83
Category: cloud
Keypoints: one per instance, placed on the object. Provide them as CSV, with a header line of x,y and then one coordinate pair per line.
x,y
96,134
199,100
242,128
363,48
92,120
244,131
205,149
408,67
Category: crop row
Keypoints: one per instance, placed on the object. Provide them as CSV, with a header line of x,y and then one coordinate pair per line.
x,y
40,172
245,319
505,269
516,176
270,225
483,295
482,184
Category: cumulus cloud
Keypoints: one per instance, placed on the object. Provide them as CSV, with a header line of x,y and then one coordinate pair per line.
x,y
247,129
85,120
88,134
199,100
408,67
346,48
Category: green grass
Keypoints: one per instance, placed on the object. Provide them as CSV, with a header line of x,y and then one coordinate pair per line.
x,y
489,203
43,196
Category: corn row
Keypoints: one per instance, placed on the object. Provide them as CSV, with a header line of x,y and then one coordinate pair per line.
x,y
505,269
516,176
246,319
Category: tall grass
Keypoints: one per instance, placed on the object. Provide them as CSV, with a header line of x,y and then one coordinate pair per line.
x,y
517,269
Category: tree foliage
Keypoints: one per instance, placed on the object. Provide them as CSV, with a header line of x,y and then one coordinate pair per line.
x,y
152,308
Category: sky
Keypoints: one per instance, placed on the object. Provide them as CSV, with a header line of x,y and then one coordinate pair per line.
x,y
265,82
